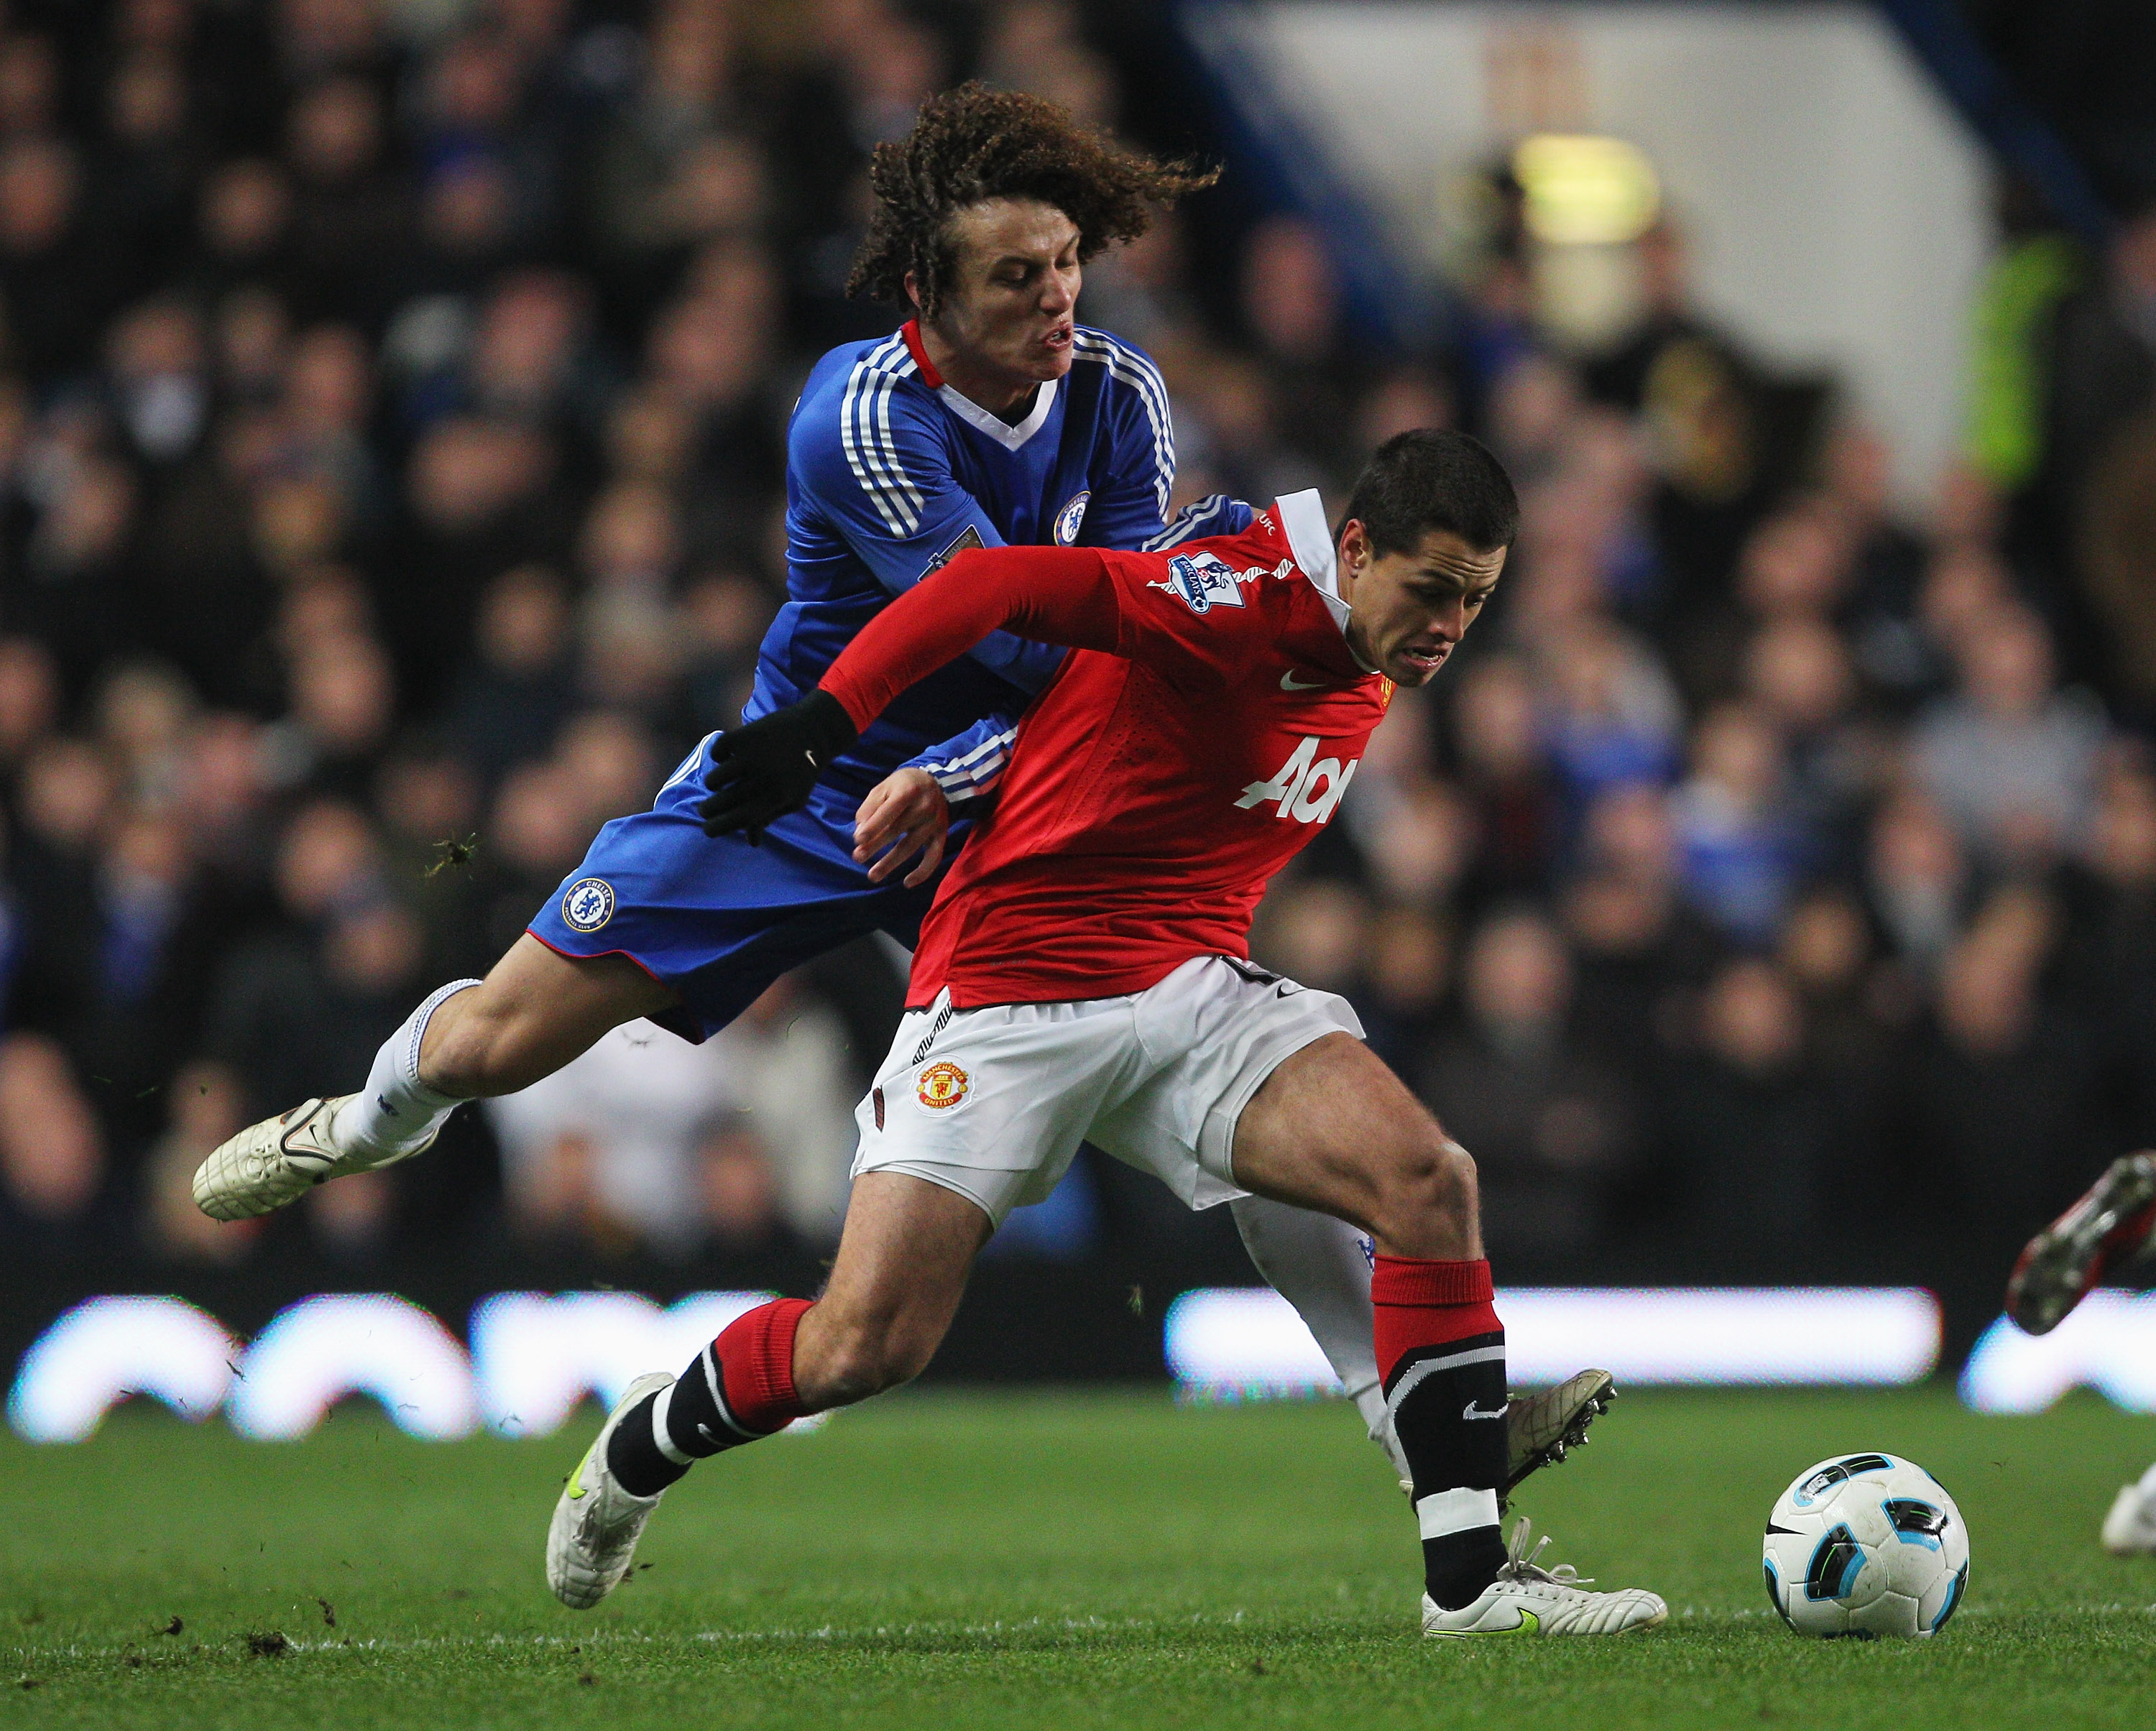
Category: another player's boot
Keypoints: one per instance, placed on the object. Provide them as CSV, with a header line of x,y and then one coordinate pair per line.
x,y
394,1117
1540,1430
2110,1225
1526,1599
592,1539
279,1160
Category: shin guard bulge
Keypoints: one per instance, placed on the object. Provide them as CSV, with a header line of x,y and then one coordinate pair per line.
x,y
1441,1353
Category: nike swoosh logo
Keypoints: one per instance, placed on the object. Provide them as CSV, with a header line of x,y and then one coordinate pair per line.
x,y
577,1479
1290,683
1468,1411
1528,1624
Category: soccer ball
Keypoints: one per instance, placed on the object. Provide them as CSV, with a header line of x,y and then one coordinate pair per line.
x,y
1865,1545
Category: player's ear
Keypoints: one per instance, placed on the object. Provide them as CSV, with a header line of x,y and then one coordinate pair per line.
x,y
913,292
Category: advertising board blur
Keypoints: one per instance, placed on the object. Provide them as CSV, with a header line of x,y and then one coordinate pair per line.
x,y
531,1358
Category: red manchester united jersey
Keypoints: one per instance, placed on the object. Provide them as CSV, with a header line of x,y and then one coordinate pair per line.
x,y
1207,723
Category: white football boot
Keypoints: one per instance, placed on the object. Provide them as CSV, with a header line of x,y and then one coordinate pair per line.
x,y
1526,1599
278,1160
2129,1530
592,1539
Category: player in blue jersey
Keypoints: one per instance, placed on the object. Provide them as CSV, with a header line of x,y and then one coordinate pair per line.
x,y
991,418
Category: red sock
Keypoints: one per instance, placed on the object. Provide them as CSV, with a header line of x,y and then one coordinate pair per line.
x,y
1420,1304
755,1355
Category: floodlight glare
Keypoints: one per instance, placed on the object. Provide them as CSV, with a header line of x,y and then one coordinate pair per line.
x,y
1586,191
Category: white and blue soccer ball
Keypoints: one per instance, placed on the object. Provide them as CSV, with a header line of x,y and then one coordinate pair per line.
x,y
1865,1545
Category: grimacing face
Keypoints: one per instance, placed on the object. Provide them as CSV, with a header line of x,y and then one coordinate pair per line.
x,y
1410,610
1006,321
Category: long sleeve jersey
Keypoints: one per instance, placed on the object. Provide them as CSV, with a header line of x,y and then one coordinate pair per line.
x,y
1206,723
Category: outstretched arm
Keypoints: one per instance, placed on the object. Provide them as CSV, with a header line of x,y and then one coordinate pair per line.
x,y
1046,595
1051,595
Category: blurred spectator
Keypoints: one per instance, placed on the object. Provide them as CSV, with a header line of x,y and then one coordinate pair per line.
x,y
1994,1106
2010,760
1918,878
207,1107
1407,968
1739,847
29,700
1313,931
1507,776
647,1139
787,1057
1747,1088
52,1161
350,219
1608,713
516,692
1551,1130
1826,954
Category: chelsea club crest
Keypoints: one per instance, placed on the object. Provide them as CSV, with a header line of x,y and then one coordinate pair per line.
x,y
1069,517
587,904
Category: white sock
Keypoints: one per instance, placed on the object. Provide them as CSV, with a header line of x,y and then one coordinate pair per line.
x,y
396,1112
1319,1265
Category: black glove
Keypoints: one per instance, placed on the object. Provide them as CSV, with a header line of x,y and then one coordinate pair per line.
x,y
764,770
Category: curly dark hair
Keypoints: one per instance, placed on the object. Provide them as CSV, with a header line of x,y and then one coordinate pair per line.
x,y
975,143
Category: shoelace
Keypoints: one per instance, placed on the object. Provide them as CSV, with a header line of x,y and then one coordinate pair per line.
x,y
1520,1563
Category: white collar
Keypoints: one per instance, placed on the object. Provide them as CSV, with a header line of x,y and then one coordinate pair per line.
x,y
1001,431
1310,539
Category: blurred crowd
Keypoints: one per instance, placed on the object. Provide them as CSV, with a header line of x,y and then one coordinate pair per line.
x,y
392,397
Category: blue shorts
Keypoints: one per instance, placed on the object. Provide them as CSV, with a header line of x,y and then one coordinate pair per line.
x,y
714,919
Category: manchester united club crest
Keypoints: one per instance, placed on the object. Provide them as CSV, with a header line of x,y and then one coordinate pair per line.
x,y
587,904
942,1085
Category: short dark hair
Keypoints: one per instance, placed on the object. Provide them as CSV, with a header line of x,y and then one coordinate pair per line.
x,y
975,143
1430,477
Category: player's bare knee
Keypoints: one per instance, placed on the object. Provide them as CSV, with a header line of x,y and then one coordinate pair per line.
x,y
1429,1187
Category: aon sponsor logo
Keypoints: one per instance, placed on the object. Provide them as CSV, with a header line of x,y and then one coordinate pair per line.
x,y
1306,791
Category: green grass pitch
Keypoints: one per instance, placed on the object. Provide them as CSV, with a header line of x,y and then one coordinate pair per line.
x,y
1085,1560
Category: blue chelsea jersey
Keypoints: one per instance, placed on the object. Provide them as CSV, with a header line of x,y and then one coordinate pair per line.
x,y
890,471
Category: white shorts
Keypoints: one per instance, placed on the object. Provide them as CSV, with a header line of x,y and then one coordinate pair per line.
x,y
993,1103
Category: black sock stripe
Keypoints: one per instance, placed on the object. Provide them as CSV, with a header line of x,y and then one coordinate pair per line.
x,y
716,1383
1451,1354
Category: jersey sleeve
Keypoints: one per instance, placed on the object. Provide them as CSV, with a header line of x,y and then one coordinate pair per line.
x,y
880,473
1196,618
971,765
1051,595
1214,514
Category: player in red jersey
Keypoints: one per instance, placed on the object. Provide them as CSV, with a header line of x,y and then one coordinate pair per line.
x,y
1084,976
